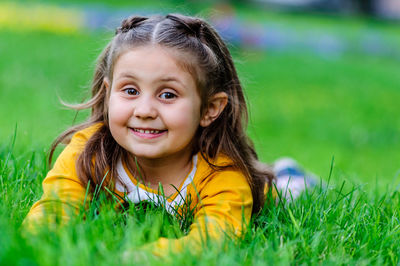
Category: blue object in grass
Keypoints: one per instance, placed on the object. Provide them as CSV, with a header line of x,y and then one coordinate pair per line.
x,y
291,179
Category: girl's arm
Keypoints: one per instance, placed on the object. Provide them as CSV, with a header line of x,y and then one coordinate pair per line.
x,y
63,192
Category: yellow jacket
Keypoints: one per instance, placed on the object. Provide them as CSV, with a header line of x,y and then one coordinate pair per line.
x,y
221,200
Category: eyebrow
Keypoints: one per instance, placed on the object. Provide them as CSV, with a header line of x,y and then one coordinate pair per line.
x,y
166,79
127,75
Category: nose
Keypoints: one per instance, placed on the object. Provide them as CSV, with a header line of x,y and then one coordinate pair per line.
x,y
145,108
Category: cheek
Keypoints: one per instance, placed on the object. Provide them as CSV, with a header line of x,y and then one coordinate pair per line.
x,y
186,118
118,112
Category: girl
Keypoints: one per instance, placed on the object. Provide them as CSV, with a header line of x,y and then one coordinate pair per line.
x,y
167,110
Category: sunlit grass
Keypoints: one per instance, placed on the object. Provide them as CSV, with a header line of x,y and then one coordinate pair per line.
x,y
307,106
330,224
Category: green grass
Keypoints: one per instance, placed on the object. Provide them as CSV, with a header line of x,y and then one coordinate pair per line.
x,y
306,106
338,225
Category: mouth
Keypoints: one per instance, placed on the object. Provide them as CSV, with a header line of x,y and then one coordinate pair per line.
x,y
148,133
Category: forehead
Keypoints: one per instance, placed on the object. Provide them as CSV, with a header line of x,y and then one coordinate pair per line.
x,y
150,57
157,57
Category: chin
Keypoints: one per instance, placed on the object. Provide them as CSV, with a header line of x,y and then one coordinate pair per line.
x,y
147,155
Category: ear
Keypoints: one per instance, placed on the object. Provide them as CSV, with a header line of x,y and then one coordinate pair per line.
x,y
106,83
215,107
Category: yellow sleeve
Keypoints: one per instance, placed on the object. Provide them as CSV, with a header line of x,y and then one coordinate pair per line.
x,y
63,192
224,208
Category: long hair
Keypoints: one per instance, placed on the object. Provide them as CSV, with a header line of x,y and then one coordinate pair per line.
x,y
202,52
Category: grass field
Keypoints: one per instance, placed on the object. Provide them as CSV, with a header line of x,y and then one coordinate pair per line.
x,y
302,105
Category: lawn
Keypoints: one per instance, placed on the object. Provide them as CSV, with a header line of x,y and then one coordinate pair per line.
x,y
337,111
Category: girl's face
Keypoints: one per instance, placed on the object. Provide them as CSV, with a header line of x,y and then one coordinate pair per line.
x,y
154,105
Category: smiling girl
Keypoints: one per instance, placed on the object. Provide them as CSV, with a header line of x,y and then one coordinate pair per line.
x,y
167,109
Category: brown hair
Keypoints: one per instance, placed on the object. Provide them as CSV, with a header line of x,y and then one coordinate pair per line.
x,y
213,69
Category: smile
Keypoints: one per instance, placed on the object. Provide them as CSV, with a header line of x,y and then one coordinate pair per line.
x,y
148,133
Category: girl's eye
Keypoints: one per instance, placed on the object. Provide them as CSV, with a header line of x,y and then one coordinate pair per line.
x,y
131,91
167,95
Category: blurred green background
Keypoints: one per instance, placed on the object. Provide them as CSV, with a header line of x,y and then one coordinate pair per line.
x,y
320,84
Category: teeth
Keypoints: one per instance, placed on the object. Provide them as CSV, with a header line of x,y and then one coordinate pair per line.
x,y
147,131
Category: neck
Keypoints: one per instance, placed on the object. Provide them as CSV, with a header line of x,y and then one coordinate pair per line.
x,y
169,172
